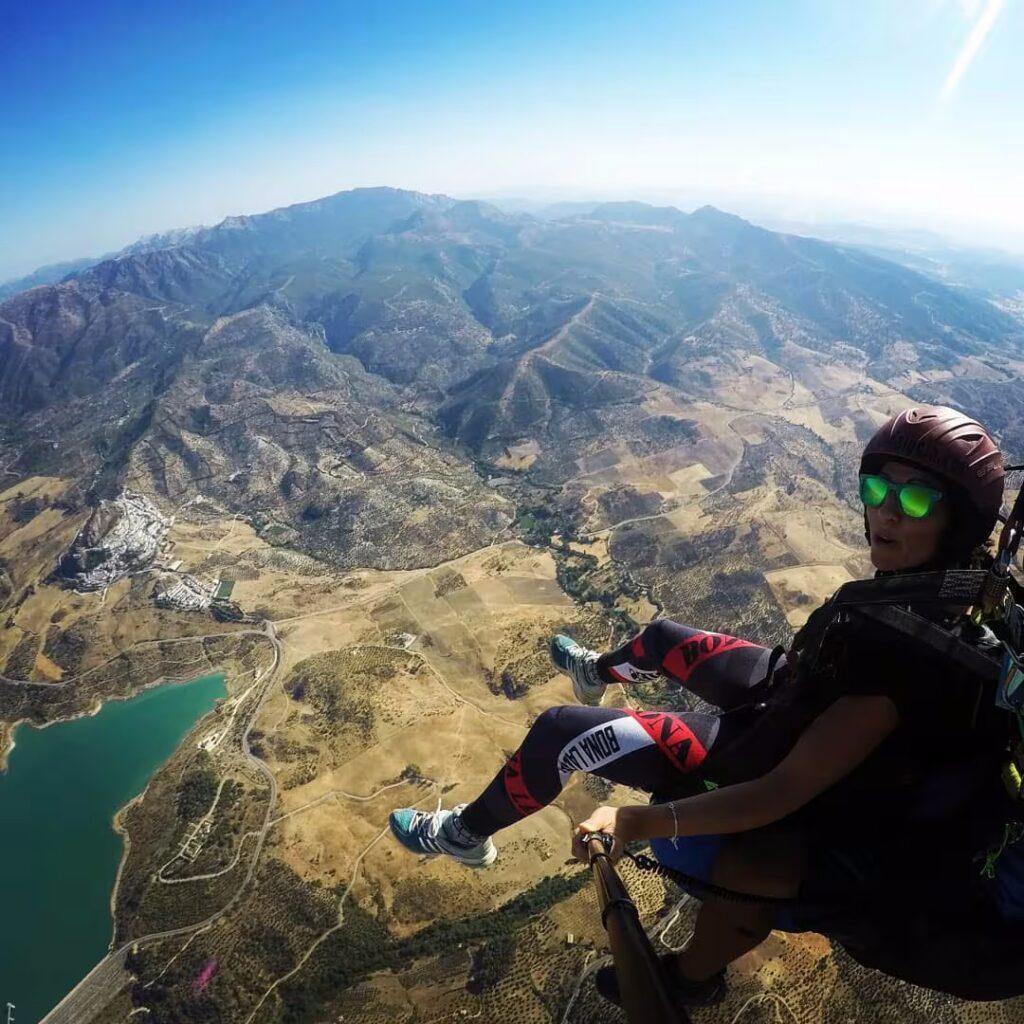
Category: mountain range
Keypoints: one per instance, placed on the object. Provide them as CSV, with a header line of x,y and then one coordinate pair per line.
x,y
330,367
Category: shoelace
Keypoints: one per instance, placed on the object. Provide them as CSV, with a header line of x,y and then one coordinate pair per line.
x,y
422,817
584,670
436,816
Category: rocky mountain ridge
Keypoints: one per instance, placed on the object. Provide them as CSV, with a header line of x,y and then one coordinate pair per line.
x,y
429,331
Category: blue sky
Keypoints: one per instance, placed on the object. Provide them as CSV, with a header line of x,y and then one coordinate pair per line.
x,y
124,118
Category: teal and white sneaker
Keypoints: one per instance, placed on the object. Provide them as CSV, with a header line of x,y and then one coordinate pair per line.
x,y
580,665
430,833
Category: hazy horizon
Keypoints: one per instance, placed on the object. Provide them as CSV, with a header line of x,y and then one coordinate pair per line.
x,y
133,121
779,214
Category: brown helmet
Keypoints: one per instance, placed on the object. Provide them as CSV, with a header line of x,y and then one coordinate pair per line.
x,y
957,449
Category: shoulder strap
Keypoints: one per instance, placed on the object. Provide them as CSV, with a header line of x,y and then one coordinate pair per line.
x,y
956,586
953,648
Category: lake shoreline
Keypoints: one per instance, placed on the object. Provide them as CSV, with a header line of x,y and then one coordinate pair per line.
x,y
5,751
64,870
126,848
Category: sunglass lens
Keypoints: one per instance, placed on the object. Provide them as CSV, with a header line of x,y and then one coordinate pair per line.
x,y
873,490
915,502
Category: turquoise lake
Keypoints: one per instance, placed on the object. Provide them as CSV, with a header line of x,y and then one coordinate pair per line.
x,y
58,849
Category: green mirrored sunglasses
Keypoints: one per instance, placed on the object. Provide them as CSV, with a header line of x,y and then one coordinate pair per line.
x,y
916,500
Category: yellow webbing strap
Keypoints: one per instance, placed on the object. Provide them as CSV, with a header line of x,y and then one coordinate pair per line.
x,y
1013,831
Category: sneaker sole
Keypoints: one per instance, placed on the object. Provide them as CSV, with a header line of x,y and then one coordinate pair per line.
x,y
484,862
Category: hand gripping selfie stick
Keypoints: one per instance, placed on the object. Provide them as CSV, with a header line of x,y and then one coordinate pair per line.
x,y
642,982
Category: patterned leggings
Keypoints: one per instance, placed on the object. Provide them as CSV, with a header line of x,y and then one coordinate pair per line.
x,y
644,749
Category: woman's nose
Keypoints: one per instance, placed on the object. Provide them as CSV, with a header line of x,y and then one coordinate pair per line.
x,y
891,507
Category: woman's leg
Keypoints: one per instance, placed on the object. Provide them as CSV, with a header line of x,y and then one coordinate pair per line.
x,y
718,668
647,750
764,863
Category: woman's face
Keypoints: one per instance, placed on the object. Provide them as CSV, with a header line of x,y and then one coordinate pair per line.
x,y
897,541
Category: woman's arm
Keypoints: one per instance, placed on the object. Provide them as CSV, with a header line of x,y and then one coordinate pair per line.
x,y
838,740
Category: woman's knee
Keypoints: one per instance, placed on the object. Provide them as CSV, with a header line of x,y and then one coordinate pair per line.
x,y
549,719
553,725
666,633
662,635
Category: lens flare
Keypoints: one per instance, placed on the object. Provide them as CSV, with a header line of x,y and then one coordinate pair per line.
x,y
204,977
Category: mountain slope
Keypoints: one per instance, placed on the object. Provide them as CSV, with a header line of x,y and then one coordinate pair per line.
x,y
50,274
263,420
400,311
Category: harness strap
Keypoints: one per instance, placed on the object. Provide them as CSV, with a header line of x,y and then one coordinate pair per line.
x,y
951,647
778,652
954,586
1013,620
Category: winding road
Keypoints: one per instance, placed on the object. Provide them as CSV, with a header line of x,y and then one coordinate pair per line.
x,y
109,976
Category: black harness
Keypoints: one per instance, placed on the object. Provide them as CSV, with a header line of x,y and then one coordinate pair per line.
x,y
908,607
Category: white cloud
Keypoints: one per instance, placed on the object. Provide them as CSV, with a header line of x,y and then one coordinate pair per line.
x,y
979,33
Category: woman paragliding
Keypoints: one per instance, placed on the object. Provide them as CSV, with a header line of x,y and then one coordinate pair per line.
x,y
857,774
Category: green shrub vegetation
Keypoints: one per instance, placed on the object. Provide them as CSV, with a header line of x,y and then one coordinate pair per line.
x,y
198,788
360,947
363,945
490,963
